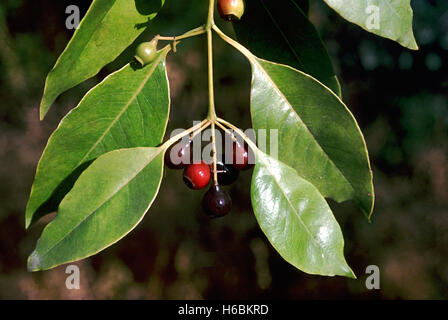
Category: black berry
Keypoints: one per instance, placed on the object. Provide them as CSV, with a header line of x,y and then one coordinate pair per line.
x,y
227,173
216,202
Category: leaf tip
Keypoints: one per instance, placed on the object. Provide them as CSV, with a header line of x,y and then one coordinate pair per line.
x,y
33,262
46,102
351,275
29,216
347,271
42,112
411,44
27,220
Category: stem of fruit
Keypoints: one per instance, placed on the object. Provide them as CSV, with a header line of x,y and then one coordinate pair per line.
x,y
233,43
238,131
194,32
211,96
196,132
211,110
250,57
215,173
226,131
179,136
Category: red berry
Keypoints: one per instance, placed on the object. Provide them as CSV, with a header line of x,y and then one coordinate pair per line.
x,y
178,156
231,10
216,202
197,175
241,159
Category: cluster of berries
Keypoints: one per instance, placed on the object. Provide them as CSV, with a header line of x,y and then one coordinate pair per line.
x,y
198,174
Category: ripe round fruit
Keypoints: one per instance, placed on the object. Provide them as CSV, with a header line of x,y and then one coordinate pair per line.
x,y
197,175
216,202
146,52
179,155
231,10
241,156
227,173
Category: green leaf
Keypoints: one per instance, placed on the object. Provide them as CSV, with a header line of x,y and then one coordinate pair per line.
x,y
317,134
279,31
130,108
386,18
296,219
108,28
109,199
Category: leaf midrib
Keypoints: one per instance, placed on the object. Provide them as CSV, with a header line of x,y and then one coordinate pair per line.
x,y
392,9
323,251
131,100
283,36
74,60
101,204
266,165
301,121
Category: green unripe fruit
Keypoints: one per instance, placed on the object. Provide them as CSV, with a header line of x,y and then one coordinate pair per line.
x,y
231,10
146,52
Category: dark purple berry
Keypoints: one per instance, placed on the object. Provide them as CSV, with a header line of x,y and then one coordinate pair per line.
x,y
216,202
179,155
241,159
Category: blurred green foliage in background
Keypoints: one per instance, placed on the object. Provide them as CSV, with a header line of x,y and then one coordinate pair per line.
x,y
400,98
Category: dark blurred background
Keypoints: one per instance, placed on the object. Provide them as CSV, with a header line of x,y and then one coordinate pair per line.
x,y
398,96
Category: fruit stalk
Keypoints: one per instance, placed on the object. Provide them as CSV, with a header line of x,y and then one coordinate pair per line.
x,y
215,173
179,136
239,132
194,32
211,93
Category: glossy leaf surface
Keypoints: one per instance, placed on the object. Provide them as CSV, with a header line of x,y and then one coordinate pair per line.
x,y
296,219
108,28
317,134
130,108
386,18
279,31
109,199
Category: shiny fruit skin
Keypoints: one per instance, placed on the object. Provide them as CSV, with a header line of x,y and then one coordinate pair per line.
x,y
227,173
231,10
241,156
146,52
197,175
216,202
179,155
